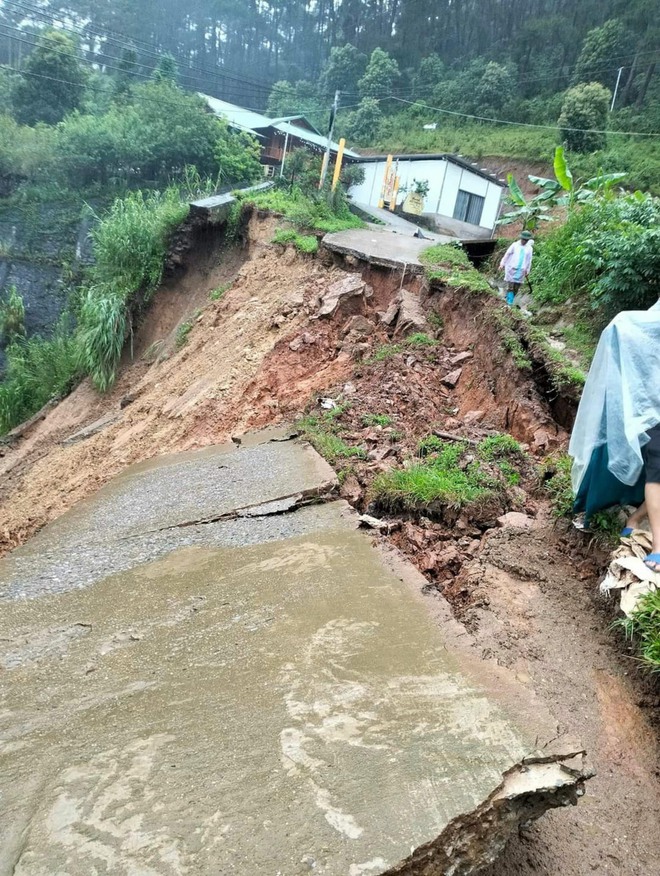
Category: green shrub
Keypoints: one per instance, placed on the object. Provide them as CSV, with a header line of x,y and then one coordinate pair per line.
x,y
130,245
321,211
182,333
448,263
37,370
606,258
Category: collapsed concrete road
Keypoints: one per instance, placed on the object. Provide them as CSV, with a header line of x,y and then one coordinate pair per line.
x,y
206,668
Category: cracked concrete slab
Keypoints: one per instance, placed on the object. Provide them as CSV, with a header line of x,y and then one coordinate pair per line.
x,y
383,248
251,695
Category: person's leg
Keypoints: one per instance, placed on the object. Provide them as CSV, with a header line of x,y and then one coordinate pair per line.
x,y
635,519
652,495
651,456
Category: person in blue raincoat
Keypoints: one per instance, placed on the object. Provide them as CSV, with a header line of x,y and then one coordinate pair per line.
x,y
615,442
516,264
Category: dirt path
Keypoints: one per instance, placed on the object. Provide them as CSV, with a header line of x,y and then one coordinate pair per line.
x,y
542,621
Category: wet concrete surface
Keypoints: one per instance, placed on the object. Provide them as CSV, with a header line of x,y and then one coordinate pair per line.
x,y
384,248
254,694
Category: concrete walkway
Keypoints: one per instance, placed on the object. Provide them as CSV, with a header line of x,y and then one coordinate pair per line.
x,y
394,222
206,671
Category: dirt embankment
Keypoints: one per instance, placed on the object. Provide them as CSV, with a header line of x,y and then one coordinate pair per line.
x,y
524,590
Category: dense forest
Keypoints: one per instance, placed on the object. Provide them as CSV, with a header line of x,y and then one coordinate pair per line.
x,y
514,77
240,47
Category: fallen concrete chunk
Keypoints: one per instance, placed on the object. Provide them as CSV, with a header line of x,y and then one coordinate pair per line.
x,y
515,520
351,286
411,315
253,689
452,378
460,358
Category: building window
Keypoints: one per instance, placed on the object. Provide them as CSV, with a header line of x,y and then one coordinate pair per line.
x,y
469,207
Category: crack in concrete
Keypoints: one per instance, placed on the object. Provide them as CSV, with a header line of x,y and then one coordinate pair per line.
x,y
288,504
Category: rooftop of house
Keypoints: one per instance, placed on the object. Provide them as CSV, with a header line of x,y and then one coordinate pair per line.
x,y
253,122
459,160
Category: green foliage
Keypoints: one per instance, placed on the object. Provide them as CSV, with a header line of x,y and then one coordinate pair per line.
x,y
343,69
381,75
296,99
448,264
446,255
363,124
439,480
584,111
153,134
12,317
52,81
321,432
37,370
130,245
606,258
430,444
305,243
611,40
237,155
384,352
317,211
377,420
219,293
165,70
556,475
643,627
420,339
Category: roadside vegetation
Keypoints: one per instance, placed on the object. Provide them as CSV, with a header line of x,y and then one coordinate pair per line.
x,y
450,474
643,628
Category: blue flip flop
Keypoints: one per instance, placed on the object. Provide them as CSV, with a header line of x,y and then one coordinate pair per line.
x,y
652,558
626,531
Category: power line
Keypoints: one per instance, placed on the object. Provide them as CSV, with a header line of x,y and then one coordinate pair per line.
x,y
160,102
524,124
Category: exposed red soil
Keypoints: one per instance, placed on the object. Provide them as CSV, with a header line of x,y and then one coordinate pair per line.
x,y
524,591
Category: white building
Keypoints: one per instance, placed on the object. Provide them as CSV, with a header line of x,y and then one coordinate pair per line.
x,y
463,199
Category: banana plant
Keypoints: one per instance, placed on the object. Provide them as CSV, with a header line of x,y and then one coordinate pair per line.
x,y
529,212
565,191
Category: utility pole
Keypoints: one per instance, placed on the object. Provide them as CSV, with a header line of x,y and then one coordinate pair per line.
x,y
616,87
326,160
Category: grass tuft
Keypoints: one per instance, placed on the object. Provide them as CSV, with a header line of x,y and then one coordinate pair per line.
x,y
305,243
499,447
440,480
555,472
376,420
218,293
644,629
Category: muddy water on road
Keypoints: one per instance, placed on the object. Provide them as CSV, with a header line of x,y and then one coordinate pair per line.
x,y
250,696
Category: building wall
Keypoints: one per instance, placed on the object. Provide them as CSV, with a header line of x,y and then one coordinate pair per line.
x,y
444,178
